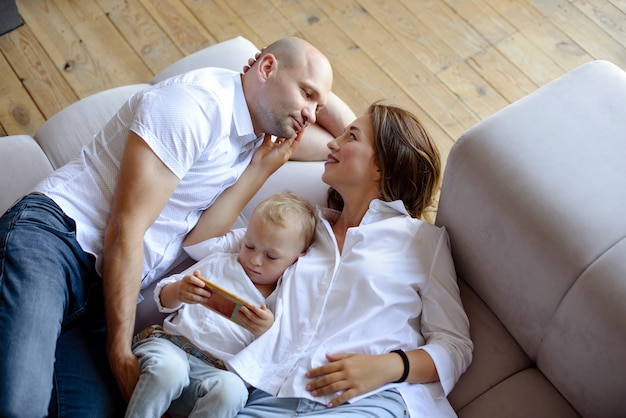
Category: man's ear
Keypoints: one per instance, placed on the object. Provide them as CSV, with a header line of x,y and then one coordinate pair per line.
x,y
266,67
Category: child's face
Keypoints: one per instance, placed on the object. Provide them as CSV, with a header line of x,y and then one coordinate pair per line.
x,y
267,250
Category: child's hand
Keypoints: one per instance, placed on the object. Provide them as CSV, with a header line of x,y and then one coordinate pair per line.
x,y
256,319
191,289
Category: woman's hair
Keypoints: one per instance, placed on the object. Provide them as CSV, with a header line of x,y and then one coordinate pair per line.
x,y
407,157
288,209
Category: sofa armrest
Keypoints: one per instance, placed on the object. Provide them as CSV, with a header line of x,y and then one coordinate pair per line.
x,y
533,200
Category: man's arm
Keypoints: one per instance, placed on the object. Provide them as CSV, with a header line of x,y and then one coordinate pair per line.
x,y
144,186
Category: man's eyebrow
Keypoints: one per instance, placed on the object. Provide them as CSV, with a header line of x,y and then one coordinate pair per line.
x,y
314,92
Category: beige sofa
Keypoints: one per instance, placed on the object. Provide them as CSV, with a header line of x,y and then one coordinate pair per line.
x,y
534,200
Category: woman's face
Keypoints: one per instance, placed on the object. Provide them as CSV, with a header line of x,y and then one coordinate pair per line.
x,y
352,159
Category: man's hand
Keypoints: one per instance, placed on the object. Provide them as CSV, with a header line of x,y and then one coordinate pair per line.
x,y
256,319
125,367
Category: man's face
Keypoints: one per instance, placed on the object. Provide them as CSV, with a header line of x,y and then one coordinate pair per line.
x,y
292,97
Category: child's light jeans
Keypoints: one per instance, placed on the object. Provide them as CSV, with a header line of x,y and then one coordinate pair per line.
x,y
174,380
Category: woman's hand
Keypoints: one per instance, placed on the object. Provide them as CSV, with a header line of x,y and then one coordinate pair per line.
x,y
256,319
351,374
251,61
272,154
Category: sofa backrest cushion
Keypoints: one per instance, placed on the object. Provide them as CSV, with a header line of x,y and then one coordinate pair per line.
x,y
533,198
231,54
22,165
64,134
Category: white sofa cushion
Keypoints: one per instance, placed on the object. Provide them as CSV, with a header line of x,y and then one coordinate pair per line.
x,y
22,165
232,54
63,135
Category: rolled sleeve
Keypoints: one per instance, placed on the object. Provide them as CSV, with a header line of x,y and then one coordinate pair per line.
x,y
157,293
228,243
445,325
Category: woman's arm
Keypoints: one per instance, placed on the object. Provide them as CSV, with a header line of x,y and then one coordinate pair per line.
x,y
356,374
219,218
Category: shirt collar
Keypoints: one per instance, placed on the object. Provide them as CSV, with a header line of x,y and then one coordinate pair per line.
x,y
394,206
242,120
378,210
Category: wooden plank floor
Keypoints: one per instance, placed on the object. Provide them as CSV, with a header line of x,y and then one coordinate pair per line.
x,y
452,62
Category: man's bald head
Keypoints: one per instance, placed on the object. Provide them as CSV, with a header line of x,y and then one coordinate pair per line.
x,y
286,87
292,51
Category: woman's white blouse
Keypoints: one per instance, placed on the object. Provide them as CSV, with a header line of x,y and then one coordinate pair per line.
x,y
392,287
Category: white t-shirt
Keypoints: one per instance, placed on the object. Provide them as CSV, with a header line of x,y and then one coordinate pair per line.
x,y
198,124
393,287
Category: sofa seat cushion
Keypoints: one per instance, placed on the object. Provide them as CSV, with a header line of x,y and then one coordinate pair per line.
x,y
525,394
502,380
592,316
496,356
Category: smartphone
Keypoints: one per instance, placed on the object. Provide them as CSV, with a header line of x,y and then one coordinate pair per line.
x,y
224,302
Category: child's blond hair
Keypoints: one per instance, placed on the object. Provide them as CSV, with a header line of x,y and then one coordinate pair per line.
x,y
287,209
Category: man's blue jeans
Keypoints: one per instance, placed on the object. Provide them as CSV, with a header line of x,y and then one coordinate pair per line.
x,y
52,347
